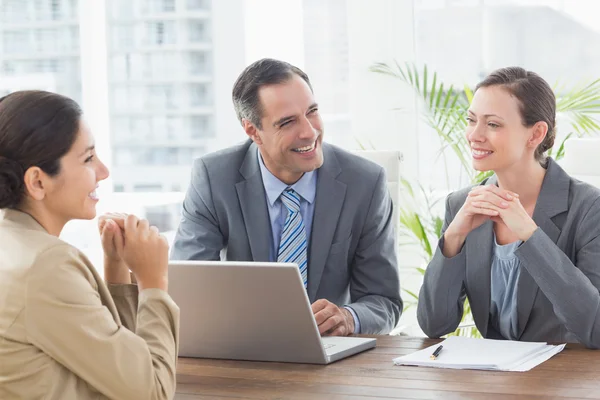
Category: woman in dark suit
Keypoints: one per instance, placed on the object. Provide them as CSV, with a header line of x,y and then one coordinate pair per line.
x,y
524,245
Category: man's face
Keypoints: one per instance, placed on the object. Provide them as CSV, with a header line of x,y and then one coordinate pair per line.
x,y
291,137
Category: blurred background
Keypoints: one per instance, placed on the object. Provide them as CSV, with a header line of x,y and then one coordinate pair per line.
x,y
154,77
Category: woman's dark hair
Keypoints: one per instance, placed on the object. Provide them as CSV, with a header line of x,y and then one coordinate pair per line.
x,y
37,128
536,101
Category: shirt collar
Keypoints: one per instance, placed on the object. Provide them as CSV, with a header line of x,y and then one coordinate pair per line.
x,y
306,186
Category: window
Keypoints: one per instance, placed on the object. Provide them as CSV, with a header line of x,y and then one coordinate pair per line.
x,y
55,10
160,97
168,5
159,126
157,6
161,218
121,129
198,152
140,65
198,31
47,40
507,37
198,4
185,156
175,128
123,157
122,37
120,67
141,127
164,64
13,11
160,33
47,10
47,66
147,188
199,95
8,68
73,9
120,95
199,63
122,9
73,44
16,42
201,127
165,155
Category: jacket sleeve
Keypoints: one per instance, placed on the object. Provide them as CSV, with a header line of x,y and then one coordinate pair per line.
x,y
572,288
375,283
125,297
198,236
66,319
442,295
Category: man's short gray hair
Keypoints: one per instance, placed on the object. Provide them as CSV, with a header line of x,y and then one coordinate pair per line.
x,y
258,74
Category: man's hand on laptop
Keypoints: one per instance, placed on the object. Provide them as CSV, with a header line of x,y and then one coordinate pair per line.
x,y
331,319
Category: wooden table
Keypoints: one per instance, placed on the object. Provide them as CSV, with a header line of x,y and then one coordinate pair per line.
x,y
573,373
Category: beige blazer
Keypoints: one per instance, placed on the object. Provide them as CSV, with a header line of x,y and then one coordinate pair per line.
x,y
65,335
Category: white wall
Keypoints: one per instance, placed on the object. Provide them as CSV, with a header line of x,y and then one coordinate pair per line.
x,y
229,52
381,31
274,29
94,78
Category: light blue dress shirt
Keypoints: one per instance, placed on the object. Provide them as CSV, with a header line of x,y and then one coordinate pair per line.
x,y
505,272
306,187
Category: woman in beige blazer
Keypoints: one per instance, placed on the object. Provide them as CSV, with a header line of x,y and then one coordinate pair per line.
x,y
64,332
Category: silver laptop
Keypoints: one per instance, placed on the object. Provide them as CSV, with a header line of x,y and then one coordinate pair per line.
x,y
251,311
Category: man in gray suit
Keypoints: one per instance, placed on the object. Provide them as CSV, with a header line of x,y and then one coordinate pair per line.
x,y
286,196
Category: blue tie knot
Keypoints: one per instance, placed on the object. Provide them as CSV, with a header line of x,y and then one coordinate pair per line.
x,y
291,200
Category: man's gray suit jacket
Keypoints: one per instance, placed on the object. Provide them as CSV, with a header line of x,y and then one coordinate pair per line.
x,y
351,255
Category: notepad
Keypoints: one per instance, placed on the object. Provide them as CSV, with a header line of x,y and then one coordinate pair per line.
x,y
486,354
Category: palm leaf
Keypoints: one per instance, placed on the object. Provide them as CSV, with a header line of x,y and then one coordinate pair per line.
x,y
438,223
560,153
412,221
411,294
580,106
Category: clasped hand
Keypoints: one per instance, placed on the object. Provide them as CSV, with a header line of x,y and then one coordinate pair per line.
x,y
493,203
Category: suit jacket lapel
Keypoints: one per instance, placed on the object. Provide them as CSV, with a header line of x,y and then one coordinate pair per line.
x,y
479,265
552,201
328,205
253,202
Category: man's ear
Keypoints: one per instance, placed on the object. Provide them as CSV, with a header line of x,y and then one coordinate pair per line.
x,y
251,131
35,183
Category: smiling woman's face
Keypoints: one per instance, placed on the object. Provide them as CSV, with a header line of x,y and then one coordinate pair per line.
x,y
72,193
495,130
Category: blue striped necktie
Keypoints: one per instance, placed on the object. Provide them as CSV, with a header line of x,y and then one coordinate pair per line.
x,y
292,246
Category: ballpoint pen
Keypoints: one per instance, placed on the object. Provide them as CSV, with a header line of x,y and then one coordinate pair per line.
x,y
437,352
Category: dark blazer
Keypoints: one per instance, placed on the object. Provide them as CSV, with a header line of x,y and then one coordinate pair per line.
x,y
351,256
558,297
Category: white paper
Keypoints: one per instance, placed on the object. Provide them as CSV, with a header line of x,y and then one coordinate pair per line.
x,y
487,354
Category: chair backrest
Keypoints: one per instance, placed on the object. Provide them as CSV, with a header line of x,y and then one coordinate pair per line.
x,y
391,161
582,159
